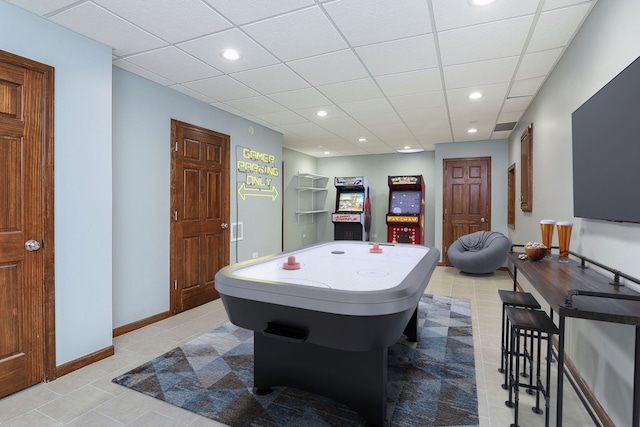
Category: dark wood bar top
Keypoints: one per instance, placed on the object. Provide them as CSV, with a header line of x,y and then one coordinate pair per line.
x,y
553,280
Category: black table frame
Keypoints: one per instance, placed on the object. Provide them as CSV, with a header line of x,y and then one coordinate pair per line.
x,y
554,281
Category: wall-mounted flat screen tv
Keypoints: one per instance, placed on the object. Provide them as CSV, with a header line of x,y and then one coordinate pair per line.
x,y
606,151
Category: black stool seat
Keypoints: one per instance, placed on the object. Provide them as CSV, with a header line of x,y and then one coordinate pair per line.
x,y
518,299
531,320
536,324
513,299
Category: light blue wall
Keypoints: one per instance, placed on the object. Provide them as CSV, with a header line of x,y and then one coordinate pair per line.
x,y
607,42
377,169
83,189
142,113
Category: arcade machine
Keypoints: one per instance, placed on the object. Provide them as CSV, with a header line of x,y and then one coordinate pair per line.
x,y
352,217
405,220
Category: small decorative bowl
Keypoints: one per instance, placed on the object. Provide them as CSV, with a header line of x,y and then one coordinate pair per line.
x,y
536,253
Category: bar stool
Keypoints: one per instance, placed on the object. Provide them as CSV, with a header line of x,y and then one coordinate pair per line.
x,y
538,324
514,299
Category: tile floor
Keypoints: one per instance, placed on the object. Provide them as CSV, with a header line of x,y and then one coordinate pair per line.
x,y
87,397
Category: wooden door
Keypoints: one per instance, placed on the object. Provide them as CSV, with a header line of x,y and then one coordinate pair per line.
x,y
200,213
467,199
26,224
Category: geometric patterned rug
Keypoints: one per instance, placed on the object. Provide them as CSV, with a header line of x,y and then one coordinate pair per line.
x,y
430,383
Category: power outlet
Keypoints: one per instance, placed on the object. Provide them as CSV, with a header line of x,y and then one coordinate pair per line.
x,y
255,255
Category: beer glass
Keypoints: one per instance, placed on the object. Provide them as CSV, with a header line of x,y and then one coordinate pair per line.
x,y
564,237
547,226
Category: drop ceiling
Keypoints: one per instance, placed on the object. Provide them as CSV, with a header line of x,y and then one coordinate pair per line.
x,y
394,72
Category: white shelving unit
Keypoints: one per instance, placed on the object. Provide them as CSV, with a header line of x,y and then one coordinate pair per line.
x,y
310,182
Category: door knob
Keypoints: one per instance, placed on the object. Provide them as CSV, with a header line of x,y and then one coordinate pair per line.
x,y
483,219
224,225
32,245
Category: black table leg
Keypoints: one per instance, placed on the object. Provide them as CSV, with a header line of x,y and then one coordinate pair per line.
x,y
560,370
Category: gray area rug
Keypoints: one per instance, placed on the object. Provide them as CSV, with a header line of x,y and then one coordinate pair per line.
x,y
430,383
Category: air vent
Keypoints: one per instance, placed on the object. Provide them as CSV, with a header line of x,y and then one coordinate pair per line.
x,y
504,126
237,231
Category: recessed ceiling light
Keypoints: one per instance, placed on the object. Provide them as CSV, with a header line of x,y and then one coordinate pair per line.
x,y
327,153
475,95
362,139
407,149
230,54
472,130
322,113
480,2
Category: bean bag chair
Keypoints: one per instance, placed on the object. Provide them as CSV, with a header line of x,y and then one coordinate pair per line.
x,y
479,253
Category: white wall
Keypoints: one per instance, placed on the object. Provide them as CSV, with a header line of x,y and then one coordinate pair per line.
x,y
142,113
82,156
606,44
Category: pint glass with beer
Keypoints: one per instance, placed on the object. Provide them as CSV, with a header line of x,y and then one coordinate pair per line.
x,y
547,226
564,237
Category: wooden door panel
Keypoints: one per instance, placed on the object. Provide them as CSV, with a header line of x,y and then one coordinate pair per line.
x,y
467,201
22,298
200,196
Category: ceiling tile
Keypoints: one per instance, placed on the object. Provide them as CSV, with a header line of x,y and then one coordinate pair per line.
x,y
516,104
538,63
149,75
368,107
256,105
353,90
308,33
399,56
418,101
192,94
357,18
486,41
301,98
282,117
101,25
244,11
480,73
329,68
42,7
451,14
556,28
209,48
526,87
169,20
173,64
222,88
271,79
410,82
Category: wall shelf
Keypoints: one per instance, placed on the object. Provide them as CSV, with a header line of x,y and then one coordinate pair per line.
x,y
310,183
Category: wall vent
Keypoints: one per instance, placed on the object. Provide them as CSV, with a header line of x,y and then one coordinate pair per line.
x,y
505,126
237,231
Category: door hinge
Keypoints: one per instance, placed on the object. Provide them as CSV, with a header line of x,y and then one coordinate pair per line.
x,y
175,215
176,146
175,284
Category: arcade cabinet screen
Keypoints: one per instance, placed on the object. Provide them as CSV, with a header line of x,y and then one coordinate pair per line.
x,y
351,202
405,202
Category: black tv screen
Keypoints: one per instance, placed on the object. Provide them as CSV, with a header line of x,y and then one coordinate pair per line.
x,y
606,151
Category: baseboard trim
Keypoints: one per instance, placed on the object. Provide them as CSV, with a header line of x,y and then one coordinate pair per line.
x,y
121,330
585,390
87,360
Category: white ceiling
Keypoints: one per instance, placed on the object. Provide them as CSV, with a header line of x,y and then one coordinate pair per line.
x,y
396,72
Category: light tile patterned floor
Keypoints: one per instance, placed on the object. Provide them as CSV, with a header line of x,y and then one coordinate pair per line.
x,y
87,397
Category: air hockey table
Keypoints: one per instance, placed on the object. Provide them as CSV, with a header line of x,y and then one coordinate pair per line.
x,y
324,316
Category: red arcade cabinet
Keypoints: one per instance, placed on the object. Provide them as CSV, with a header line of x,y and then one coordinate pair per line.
x,y
352,218
405,220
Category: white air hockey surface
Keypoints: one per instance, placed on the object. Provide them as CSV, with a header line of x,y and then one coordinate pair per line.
x,y
341,277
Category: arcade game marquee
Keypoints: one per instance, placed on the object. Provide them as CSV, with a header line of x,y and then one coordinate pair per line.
x,y
352,217
405,220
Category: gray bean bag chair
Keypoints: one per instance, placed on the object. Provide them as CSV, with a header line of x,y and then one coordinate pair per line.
x,y
479,253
